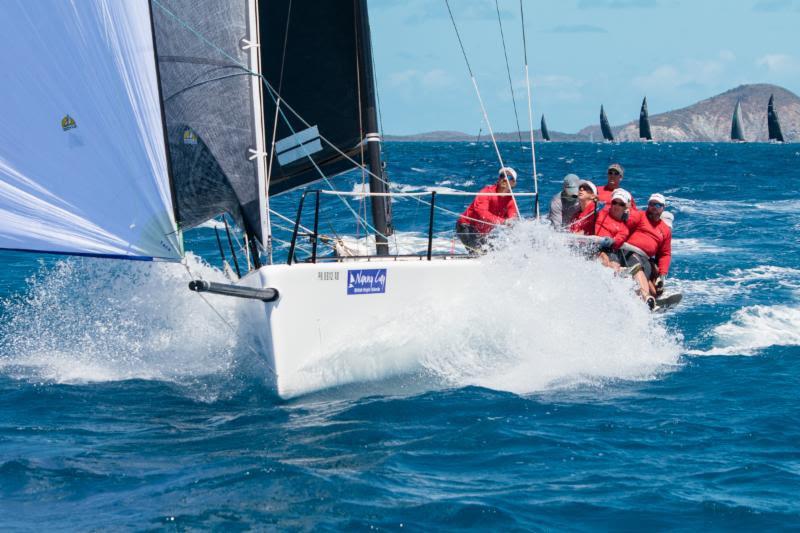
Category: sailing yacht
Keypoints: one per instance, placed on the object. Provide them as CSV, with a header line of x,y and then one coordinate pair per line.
x,y
135,121
605,127
644,122
773,124
544,130
737,131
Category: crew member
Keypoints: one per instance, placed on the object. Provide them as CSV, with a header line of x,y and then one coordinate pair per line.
x,y
610,225
488,211
565,204
615,174
652,237
583,221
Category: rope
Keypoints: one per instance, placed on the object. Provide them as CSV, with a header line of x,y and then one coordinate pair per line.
x,y
530,111
480,99
508,71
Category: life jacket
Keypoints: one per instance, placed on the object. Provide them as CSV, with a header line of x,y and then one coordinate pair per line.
x,y
583,221
653,239
492,209
608,226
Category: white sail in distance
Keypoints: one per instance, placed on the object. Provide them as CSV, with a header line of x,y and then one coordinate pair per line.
x,y
83,162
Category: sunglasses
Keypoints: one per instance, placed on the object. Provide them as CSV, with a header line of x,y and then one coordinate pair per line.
x,y
614,172
585,189
617,202
657,205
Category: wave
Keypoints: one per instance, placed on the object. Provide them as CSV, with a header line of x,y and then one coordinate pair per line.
x,y
95,320
754,328
736,284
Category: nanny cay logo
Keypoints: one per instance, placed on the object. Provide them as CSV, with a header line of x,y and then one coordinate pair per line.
x,y
68,123
189,137
371,281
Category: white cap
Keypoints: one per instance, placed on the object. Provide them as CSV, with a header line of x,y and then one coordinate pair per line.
x,y
657,197
588,184
507,172
621,194
668,218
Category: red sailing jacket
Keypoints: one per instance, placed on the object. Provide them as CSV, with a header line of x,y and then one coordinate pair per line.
x,y
608,226
604,195
491,209
583,222
653,239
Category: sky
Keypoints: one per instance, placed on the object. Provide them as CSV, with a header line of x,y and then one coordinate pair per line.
x,y
581,53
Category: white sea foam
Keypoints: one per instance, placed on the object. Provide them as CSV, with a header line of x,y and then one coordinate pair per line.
x,y
541,318
691,246
735,284
404,243
780,206
90,320
754,328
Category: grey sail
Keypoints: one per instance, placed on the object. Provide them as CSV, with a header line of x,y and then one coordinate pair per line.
x,y
644,122
773,124
544,130
737,131
605,127
211,108
317,59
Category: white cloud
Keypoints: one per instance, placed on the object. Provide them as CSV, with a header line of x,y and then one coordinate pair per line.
x,y
707,72
413,78
779,63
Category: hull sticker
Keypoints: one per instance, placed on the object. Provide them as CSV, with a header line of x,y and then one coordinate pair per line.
x,y
366,281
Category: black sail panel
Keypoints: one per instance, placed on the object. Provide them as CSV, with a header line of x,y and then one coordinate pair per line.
x,y
605,127
545,131
737,131
773,124
211,118
644,122
310,57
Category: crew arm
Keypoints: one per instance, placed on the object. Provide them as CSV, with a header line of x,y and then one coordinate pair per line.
x,y
621,236
665,256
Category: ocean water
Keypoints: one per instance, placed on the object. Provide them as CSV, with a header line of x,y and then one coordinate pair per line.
x,y
551,400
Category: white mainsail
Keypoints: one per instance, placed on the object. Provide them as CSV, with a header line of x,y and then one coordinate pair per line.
x,y
83,163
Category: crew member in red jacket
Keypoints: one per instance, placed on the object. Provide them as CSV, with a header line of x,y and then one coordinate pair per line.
x,y
583,221
611,226
615,174
653,238
488,211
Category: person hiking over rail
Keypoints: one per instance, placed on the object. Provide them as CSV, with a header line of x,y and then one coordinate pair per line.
x,y
487,211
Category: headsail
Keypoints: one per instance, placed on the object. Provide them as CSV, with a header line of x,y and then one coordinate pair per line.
x,y
644,122
737,131
83,166
544,130
207,52
605,127
773,124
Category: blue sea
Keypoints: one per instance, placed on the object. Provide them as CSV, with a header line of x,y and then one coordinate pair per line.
x,y
127,404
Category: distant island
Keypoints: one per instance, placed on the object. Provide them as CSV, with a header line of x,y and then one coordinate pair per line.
x,y
705,121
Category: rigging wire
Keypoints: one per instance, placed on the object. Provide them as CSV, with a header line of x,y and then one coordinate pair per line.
x,y
508,71
530,114
480,99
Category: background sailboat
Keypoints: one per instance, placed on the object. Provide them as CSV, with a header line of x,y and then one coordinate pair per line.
x,y
737,131
773,124
605,127
544,130
644,122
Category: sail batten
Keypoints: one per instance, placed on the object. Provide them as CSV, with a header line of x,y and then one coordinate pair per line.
x,y
83,167
644,122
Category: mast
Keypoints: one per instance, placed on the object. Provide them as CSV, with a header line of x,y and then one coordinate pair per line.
x,y
381,205
644,122
605,127
544,130
773,124
737,132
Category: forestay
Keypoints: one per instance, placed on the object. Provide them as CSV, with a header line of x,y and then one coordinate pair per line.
x,y
83,168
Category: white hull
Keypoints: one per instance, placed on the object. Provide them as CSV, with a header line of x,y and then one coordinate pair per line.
x,y
331,327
